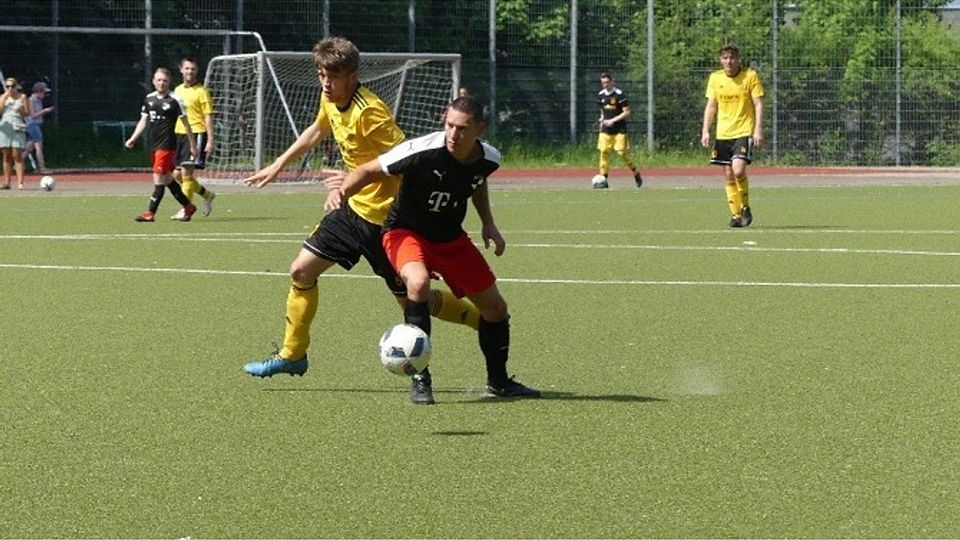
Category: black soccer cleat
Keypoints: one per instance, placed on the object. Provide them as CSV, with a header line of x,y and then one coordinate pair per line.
x,y
746,217
735,222
638,179
511,389
421,389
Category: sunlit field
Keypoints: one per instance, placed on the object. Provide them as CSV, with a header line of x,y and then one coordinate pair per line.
x,y
797,378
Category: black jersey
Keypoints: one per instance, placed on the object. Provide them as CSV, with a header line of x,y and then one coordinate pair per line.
x,y
612,104
435,189
163,113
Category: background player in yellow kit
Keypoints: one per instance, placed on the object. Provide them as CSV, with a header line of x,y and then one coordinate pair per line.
x,y
196,98
363,128
735,99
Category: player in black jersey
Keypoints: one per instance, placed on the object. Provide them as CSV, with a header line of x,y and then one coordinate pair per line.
x,y
614,111
160,111
424,233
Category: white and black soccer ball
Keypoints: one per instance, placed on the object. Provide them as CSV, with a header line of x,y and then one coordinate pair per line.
x,y
599,181
47,183
405,349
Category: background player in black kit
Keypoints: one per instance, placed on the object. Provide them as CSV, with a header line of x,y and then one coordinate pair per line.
x,y
614,111
424,232
161,109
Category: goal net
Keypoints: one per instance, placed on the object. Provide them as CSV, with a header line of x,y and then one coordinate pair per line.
x,y
263,101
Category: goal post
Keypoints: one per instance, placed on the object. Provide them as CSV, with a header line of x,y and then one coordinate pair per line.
x,y
263,101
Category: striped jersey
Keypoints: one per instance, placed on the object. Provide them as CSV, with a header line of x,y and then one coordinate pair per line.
x,y
364,130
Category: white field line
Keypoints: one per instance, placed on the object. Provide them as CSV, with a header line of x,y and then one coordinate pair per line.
x,y
618,282
651,247
745,233
295,237
245,238
741,232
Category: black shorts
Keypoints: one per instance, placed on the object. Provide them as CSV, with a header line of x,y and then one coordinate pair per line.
x,y
183,150
725,151
343,237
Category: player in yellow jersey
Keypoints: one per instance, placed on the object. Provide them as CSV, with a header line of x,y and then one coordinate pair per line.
x,y
363,128
735,99
199,105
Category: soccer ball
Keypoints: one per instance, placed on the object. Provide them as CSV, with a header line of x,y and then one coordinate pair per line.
x,y
599,181
47,183
405,349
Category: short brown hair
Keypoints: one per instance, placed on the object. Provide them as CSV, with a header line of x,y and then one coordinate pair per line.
x,y
731,48
469,105
336,54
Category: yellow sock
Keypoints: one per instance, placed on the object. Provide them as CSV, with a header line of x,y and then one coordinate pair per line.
x,y
190,186
301,308
447,307
743,187
627,160
733,198
604,164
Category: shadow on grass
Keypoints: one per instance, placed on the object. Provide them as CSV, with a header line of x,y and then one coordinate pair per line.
x,y
568,396
479,396
798,228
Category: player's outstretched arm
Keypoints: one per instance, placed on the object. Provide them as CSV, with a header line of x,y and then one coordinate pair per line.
x,y
333,178
310,138
367,173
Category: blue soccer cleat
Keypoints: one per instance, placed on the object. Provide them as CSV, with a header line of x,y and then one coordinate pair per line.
x,y
277,364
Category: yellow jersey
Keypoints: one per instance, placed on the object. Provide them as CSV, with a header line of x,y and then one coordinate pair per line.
x,y
198,106
363,131
734,95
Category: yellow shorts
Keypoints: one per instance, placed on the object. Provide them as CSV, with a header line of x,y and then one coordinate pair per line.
x,y
618,142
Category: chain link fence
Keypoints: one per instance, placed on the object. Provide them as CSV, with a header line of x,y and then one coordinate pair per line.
x,y
848,82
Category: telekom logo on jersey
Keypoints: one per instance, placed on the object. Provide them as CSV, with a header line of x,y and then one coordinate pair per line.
x,y
438,199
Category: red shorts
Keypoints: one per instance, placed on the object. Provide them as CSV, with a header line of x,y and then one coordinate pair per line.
x,y
164,161
459,262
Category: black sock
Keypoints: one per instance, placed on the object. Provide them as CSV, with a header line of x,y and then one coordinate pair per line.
x,y
417,314
155,199
177,193
495,344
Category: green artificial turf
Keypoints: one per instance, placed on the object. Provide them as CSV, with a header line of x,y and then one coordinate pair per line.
x,y
794,379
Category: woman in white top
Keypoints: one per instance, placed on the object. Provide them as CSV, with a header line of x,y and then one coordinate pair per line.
x,y
13,130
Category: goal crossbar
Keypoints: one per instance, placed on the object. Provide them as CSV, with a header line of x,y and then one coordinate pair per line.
x,y
264,100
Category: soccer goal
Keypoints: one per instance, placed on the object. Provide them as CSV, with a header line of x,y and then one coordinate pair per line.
x,y
263,101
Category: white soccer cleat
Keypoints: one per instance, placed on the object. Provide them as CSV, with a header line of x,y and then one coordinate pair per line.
x,y
178,216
